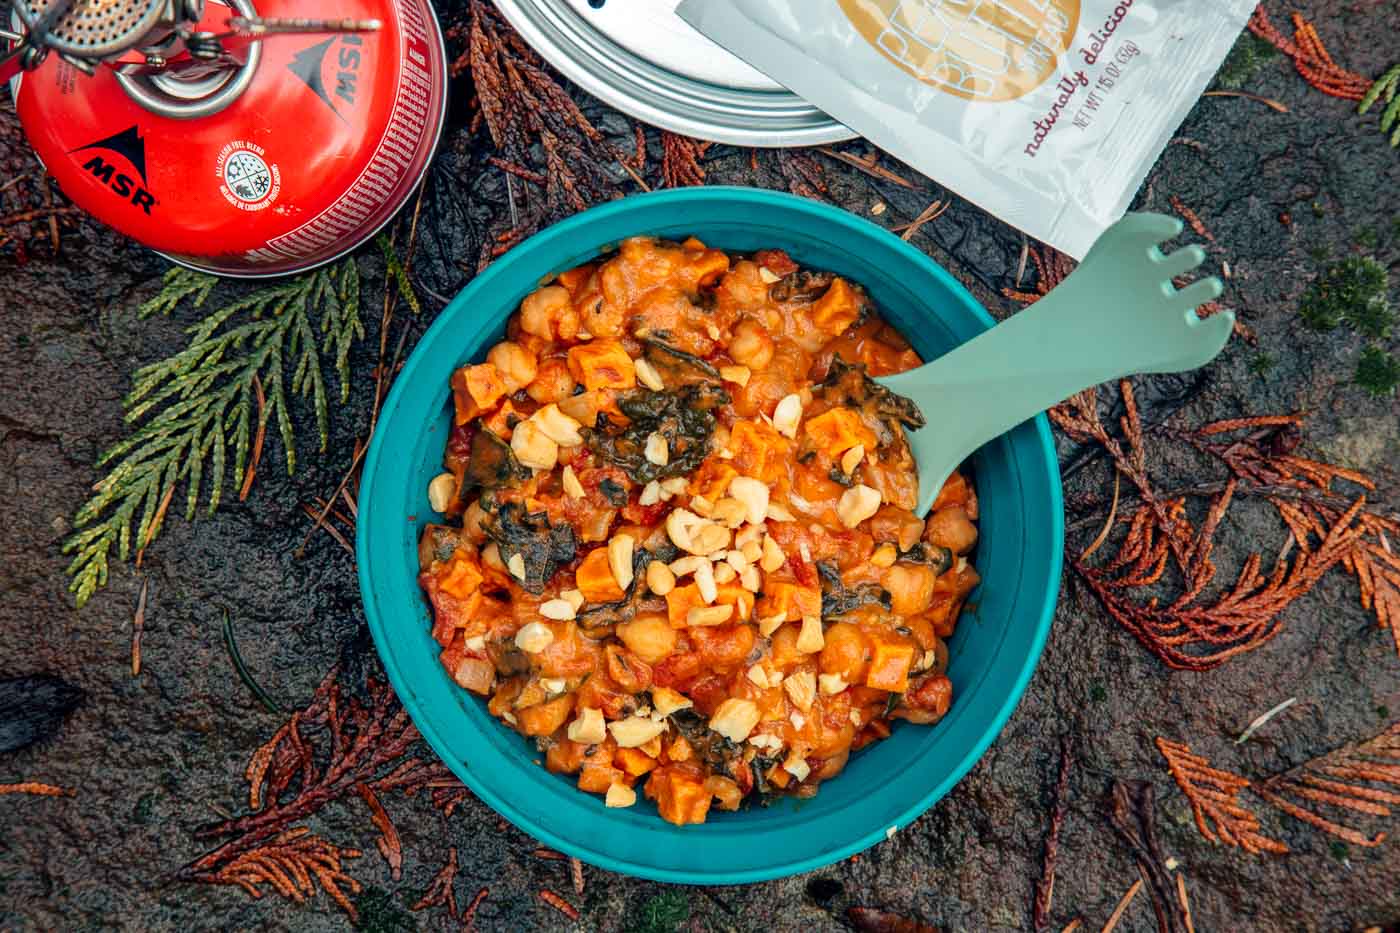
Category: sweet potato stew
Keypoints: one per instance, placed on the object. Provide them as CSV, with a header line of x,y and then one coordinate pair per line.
x,y
678,549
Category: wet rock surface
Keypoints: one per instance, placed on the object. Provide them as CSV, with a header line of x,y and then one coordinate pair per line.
x,y
153,758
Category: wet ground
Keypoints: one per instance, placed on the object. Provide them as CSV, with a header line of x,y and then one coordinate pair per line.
x,y
154,757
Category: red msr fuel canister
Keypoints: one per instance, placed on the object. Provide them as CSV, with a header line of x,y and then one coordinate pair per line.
x,y
278,155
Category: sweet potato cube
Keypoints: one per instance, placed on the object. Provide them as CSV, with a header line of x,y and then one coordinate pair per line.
x,y
476,389
712,479
594,578
680,601
503,420
759,450
462,576
837,310
838,430
596,779
545,718
793,600
635,761
602,364
890,659
679,799
564,757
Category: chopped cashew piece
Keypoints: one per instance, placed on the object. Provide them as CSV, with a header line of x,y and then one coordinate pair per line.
x,y
723,573
705,580
729,511
702,616
768,276
660,579
574,597
773,556
553,685
770,624
884,555
476,643
777,512
753,494
857,504
656,450
648,376
635,730
757,675
750,580
557,609
557,426
620,559
811,640
651,494
797,767
739,375
787,415
441,490
534,637
801,688
831,684
852,458
620,795
666,701
572,487
735,719
516,566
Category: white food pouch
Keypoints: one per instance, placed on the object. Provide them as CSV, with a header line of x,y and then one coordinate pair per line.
x,y
1047,113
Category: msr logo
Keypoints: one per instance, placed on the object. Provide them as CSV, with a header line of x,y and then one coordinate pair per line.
x,y
129,145
316,67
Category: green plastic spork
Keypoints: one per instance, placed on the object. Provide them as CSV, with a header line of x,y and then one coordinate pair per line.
x,y
1118,313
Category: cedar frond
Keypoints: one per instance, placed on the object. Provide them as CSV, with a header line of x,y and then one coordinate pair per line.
x,y
440,892
190,409
680,160
341,745
1343,779
294,863
1214,798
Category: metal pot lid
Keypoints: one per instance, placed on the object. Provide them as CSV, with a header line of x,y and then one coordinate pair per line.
x,y
640,57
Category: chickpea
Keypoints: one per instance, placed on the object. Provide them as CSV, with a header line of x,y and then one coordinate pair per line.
x,y
845,653
751,345
648,636
552,382
516,364
911,587
951,528
544,310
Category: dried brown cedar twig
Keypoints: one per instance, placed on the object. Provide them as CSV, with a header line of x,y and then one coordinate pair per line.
x,y
388,842
559,904
1045,888
1344,779
1214,798
469,915
803,173
1310,57
1052,267
680,160
138,625
440,891
330,529
37,789
1132,813
1192,218
870,166
576,870
293,863
872,920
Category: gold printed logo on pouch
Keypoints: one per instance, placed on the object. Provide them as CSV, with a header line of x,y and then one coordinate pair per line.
x,y
987,50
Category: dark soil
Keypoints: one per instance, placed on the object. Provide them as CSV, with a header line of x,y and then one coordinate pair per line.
x,y
156,756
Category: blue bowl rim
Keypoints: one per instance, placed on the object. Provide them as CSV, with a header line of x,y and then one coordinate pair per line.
x,y
482,283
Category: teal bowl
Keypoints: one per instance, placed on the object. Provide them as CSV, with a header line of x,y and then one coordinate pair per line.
x,y
886,785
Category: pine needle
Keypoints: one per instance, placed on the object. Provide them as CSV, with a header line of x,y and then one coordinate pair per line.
x,y
1259,722
1122,906
193,413
138,625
